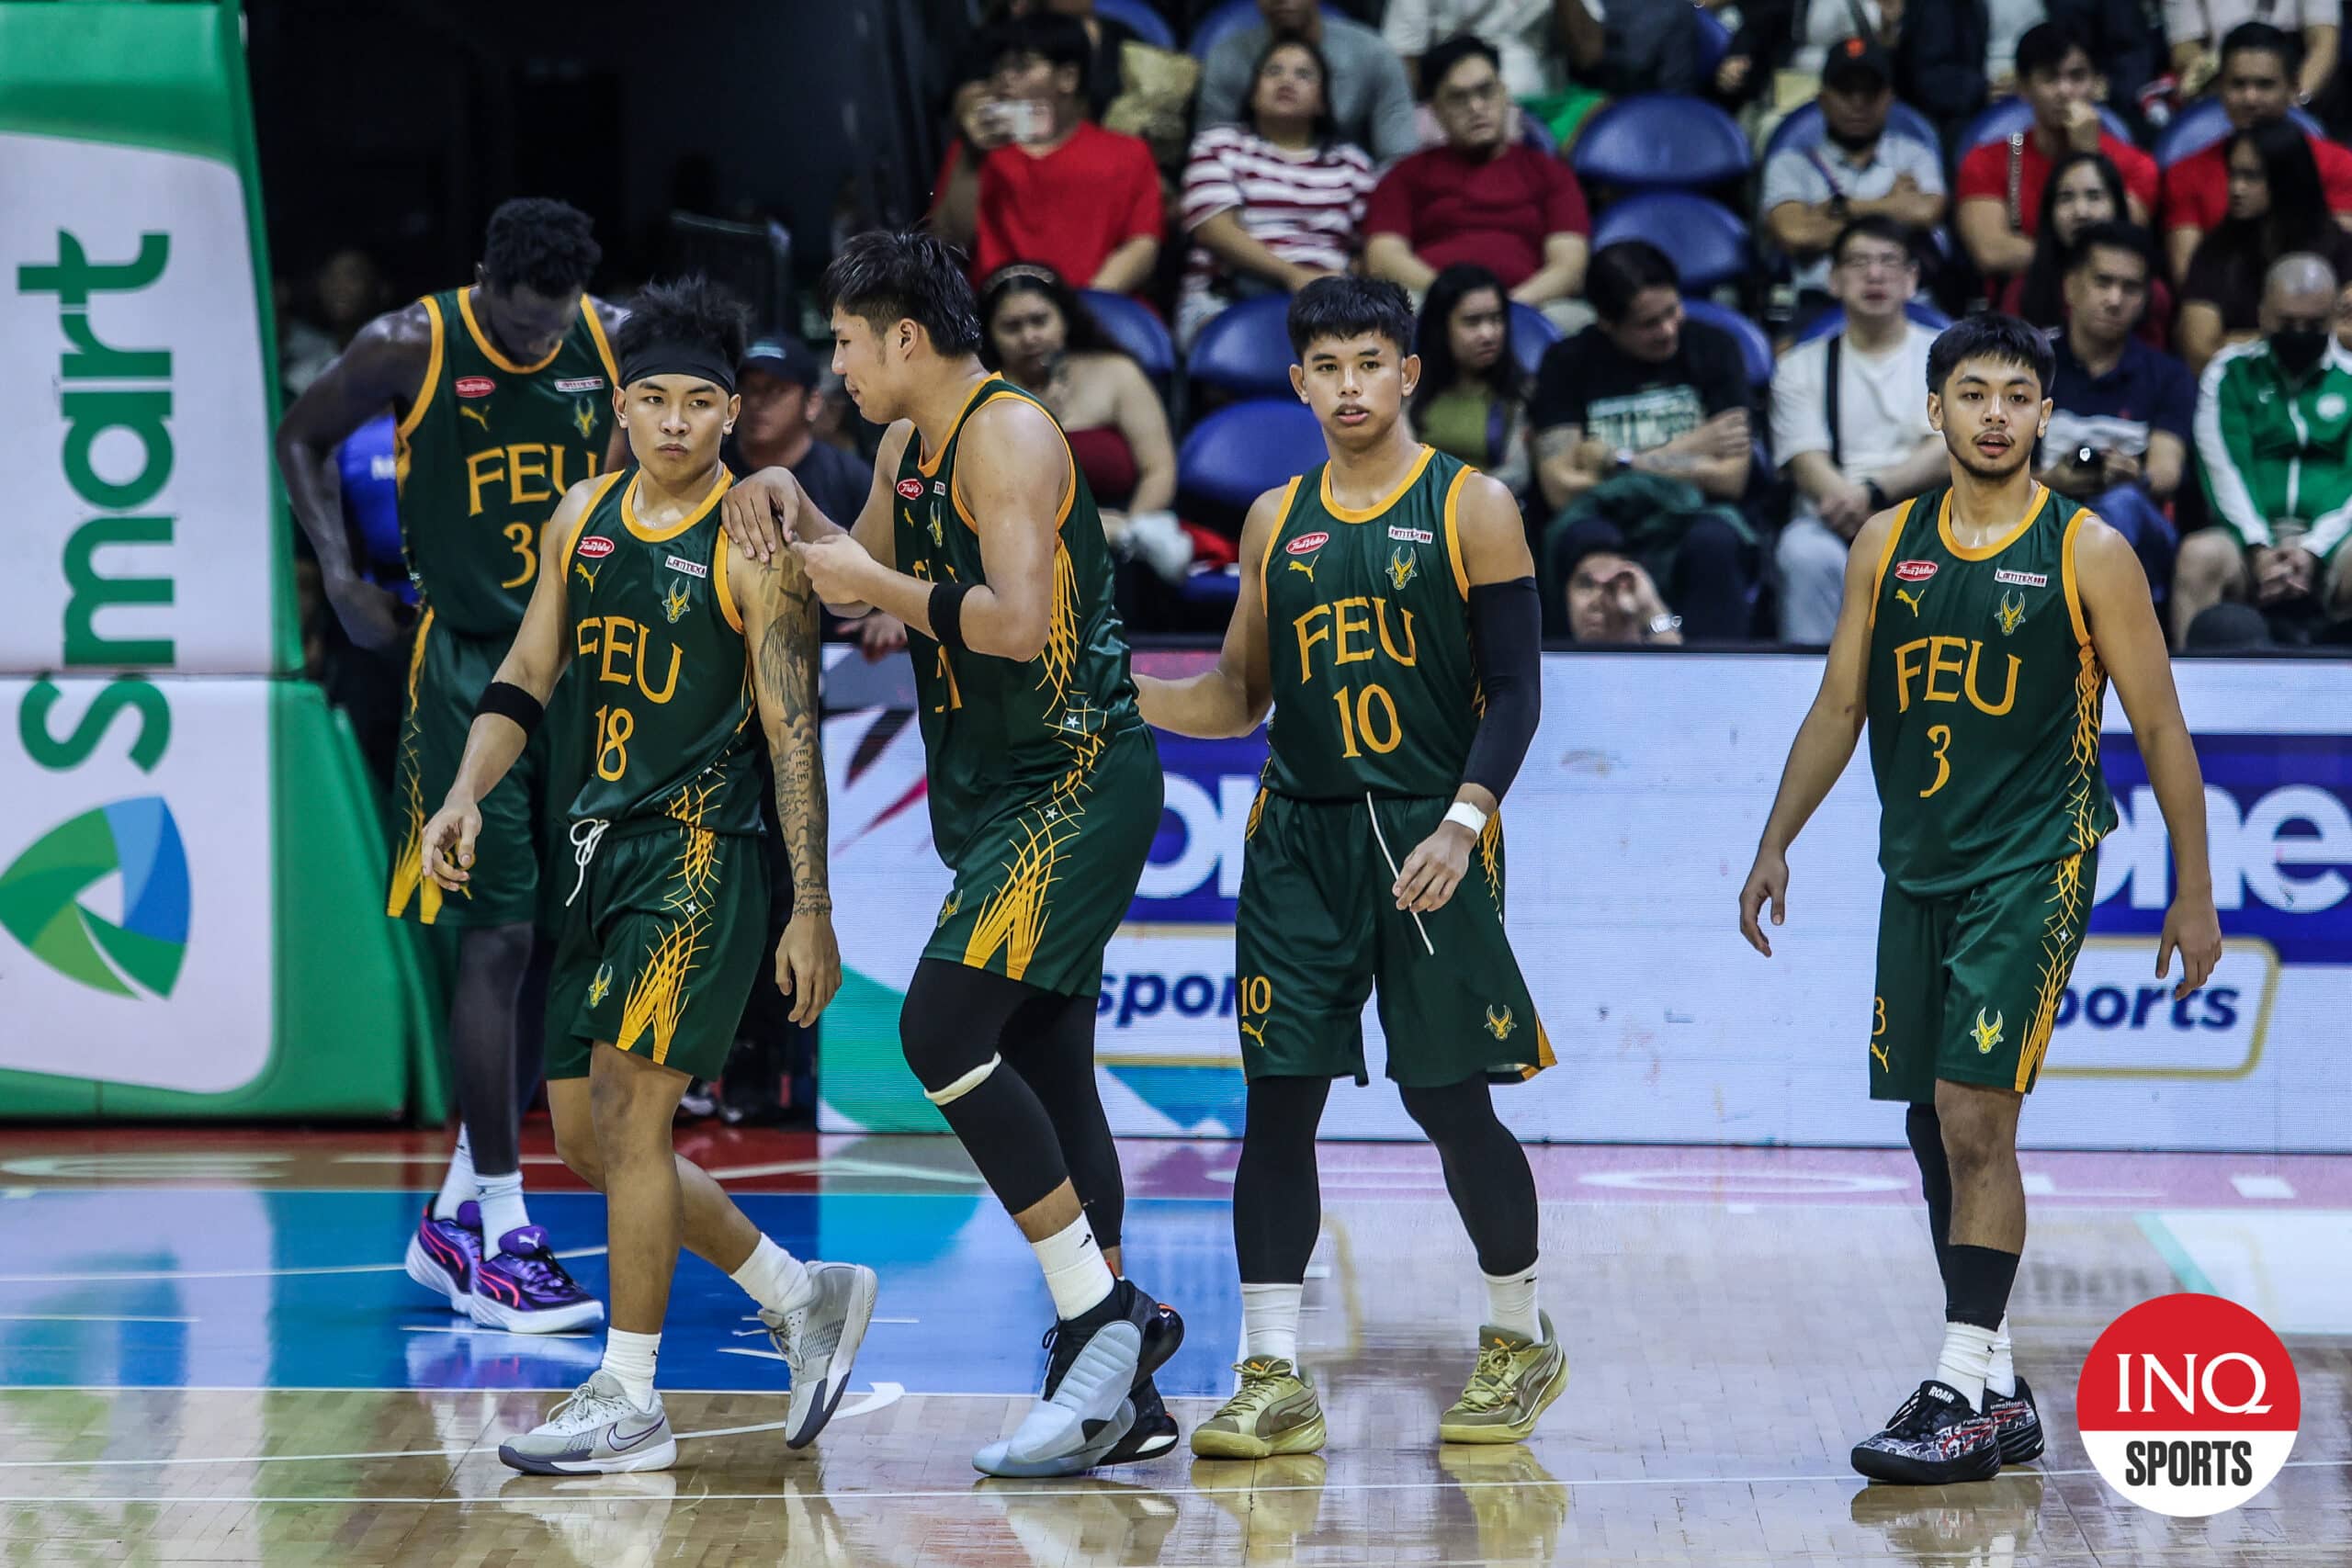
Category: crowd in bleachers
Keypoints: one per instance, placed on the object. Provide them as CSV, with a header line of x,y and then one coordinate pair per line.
x,y
1677,267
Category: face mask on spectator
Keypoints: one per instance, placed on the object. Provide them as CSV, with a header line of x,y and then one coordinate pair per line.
x,y
2298,348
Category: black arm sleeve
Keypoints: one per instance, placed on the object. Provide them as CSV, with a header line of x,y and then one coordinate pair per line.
x,y
1507,635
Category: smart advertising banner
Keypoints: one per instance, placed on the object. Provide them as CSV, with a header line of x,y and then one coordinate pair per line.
x,y
188,858
1628,833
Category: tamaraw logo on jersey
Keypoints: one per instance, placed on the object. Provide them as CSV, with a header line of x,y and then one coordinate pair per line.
x,y
41,892
2188,1405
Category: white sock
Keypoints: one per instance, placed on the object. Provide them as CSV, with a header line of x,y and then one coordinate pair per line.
x,y
458,1186
629,1358
1074,1271
2001,1376
1510,1303
773,1277
1269,1322
502,1208
1967,1356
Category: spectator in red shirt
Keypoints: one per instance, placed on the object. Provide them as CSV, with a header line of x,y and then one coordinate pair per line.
x,y
1479,198
2257,85
1031,178
1999,187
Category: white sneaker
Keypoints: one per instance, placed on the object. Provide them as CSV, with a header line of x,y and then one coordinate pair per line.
x,y
819,1340
595,1432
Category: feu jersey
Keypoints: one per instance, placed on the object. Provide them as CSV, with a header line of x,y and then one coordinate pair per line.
x,y
1984,699
1375,688
1002,730
659,656
486,452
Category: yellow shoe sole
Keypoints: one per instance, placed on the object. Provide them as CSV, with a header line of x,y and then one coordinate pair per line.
x,y
1519,1431
1210,1443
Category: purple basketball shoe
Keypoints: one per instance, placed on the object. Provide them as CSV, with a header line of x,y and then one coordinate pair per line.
x,y
445,1256
522,1288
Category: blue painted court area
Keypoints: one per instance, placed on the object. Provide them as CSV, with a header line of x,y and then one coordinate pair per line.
x,y
190,1288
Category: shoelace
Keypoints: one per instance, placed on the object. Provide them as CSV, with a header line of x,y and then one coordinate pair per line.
x,y
1260,1385
1915,1417
587,834
586,1406
541,1271
1489,1388
1060,1350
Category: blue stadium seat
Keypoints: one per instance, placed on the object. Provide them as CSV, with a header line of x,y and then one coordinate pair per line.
x,y
1829,320
2203,123
1232,15
1803,129
1715,42
1129,323
1142,16
1532,332
1660,141
1755,348
1245,349
1245,449
2013,115
1709,244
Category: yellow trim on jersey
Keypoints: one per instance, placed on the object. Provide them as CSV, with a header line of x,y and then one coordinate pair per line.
x,y
481,340
929,466
1070,479
604,348
1452,526
596,499
1886,556
1986,552
415,415
2066,577
408,866
1282,520
653,535
719,584
1366,514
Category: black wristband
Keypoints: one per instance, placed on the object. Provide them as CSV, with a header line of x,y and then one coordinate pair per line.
x,y
948,614
510,700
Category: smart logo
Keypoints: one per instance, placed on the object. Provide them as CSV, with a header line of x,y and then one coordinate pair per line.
x,y
41,899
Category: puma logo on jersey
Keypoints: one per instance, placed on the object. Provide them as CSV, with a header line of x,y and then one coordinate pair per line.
x,y
1909,599
2010,614
479,416
1255,1032
1986,1036
676,602
601,987
1401,567
1500,1024
587,573
1306,566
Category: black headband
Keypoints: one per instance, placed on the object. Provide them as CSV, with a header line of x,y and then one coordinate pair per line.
x,y
669,358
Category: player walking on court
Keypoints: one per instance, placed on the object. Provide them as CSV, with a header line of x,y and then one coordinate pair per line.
x,y
1980,627
682,639
1389,616
981,534
502,390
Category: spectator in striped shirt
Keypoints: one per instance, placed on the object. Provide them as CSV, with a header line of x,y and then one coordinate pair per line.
x,y
1272,206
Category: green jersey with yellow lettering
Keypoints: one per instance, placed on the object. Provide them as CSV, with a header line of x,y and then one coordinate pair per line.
x,y
1984,699
1368,635
485,454
658,650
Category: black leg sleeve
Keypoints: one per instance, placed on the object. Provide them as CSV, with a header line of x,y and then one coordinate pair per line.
x,y
1277,1198
1486,1172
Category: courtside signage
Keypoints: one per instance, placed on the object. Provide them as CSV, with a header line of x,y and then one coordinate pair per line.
x,y
2188,1405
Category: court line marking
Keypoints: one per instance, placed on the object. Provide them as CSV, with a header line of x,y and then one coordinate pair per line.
x,y
240,1273
83,1317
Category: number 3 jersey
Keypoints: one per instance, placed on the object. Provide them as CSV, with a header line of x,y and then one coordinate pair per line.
x,y
1368,639
1985,697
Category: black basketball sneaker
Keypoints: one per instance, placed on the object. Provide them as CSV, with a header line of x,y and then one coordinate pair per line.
x,y
1934,1440
1154,1432
2018,1422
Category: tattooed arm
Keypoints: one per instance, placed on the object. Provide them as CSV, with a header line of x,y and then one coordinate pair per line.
x,y
780,621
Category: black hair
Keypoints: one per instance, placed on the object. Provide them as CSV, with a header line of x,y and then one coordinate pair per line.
x,y
1344,307
543,245
2114,236
2045,47
2042,298
1447,54
884,277
689,310
1619,272
1326,129
1875,226
1050,36
1434,339
2298,218
1082,333
2261,38
2005,340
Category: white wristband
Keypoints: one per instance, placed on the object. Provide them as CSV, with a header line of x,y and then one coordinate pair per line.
x,y
1469,816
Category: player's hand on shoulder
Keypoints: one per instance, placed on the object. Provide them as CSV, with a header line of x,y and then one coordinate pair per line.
x,y
1767,879
759,509
448,842
837,566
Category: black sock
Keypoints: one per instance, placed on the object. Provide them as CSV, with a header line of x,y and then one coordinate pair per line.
x,y
1976,1286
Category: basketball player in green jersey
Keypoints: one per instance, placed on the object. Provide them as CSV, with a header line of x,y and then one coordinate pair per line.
x,y
1980,625
502,391
1388,616
681,641
981,534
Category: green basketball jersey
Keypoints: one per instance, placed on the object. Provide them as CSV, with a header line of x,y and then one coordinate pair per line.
x,y
996,731
1368,638
1984,699
658,650
485,453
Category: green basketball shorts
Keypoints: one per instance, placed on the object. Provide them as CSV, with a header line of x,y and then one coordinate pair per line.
x,y
1969,985
666,937
1318,931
